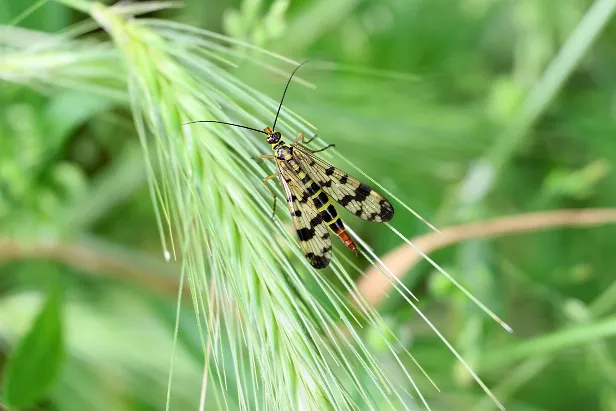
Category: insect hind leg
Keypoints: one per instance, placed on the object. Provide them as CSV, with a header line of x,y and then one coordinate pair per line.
x,y
323,149
301,137
304,141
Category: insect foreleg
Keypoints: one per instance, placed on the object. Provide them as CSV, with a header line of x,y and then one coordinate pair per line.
x,y
265,180
262,156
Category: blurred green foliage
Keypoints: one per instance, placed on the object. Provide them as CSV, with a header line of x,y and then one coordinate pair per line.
x,y
70,171
35,364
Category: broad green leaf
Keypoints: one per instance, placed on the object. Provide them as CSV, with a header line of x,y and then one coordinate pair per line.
x,y
36,360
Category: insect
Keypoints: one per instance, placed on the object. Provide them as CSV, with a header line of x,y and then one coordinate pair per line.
x,y
310,184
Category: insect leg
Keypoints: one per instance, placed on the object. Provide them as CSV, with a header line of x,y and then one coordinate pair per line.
x,y
262,156
308,142
323,149
265,180
301,137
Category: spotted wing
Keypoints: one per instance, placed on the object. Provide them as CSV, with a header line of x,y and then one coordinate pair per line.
x,y
311,229
357,197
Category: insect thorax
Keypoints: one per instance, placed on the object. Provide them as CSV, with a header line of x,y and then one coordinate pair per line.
x,y
284,151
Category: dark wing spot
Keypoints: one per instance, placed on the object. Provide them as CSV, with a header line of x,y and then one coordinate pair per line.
x,y
305,233
358,213
387,211
316,221
346,200
344,179
328,183
296,213
330,171
365,188
361,195
317,261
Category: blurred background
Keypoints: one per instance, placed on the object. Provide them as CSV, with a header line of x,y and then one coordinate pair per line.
x,y
449,104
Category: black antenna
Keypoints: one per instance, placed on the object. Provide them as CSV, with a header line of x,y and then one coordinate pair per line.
x,y
285,92
229,124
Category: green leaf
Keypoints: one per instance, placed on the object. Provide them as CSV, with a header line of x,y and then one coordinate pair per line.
x,y
66,112
36,360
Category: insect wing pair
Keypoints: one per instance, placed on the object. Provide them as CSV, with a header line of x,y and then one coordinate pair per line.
x,y
309,183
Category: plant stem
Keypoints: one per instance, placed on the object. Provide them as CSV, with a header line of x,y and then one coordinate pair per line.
x,y
93,255
375,287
